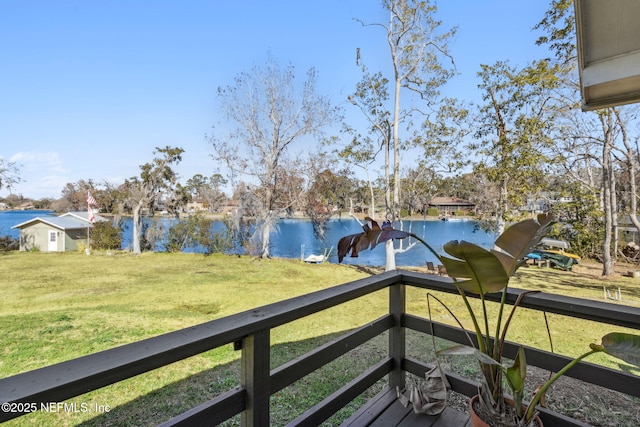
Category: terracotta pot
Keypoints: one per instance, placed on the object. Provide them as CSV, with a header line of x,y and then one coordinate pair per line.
x,y
476,421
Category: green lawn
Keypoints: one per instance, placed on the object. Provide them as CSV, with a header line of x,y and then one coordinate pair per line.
x,y
55,307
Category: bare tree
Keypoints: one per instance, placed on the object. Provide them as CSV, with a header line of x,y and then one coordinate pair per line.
x,y
9,174
418,49
266,114
630,160
608,189
584,132
370,97
157,179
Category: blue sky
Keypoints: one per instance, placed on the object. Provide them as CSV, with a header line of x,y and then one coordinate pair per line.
x,y
88,88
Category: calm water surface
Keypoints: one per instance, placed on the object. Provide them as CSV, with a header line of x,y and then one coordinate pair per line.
x,y
292,234
10,218
294,238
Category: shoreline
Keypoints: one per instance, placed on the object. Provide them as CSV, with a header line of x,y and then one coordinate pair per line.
x,y
362,217
299,216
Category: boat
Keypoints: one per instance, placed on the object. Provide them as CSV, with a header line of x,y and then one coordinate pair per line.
x,y
319,259
315,259
558,247
555,260
452,218
570,255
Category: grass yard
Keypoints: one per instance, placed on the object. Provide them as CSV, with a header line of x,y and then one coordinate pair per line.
x,y
55,307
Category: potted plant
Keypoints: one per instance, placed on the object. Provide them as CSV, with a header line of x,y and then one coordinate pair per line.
x,y
479,271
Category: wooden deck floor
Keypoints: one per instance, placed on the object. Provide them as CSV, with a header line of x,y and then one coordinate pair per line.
x,y
386,410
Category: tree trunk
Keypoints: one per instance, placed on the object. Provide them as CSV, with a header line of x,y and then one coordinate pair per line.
x,y
631,162
137,228
608,191
372,212
263,232
387,182
614,221
396,153
390,256
632,195
502,208
266,232
393,200
268,213
390,253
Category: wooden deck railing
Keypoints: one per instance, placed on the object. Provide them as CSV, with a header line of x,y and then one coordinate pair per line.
x,y
250,332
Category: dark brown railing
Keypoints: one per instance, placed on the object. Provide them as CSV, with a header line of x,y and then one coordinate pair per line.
x,y
250,332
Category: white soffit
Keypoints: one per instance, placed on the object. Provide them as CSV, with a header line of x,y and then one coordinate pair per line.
x,y
608,33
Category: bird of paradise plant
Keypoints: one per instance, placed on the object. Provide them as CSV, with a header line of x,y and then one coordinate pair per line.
x,y
479,271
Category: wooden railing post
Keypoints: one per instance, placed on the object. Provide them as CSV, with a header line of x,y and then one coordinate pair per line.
x,y
255,373
397,334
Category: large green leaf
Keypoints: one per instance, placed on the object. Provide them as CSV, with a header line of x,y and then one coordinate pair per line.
x,y
623,346
517,373
479,270
519,240
509,263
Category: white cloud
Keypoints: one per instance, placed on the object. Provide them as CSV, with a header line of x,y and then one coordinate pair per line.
x,y
36,161
43,174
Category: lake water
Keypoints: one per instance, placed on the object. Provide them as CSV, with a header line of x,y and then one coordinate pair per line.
x,y
294,238
10,218
292,234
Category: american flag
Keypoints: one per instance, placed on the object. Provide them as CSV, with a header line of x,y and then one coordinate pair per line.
x,y
91,201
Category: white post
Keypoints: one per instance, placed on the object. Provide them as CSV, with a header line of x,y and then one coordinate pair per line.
x,y
86,250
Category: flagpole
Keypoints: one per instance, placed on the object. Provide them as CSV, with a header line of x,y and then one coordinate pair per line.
x,y
90,219
86,250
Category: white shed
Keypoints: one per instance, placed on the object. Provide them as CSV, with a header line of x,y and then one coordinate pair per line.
x,y
55,233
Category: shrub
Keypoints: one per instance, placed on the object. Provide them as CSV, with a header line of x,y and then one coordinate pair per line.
x,y
432,212
220,241
105,235
197,231
8,243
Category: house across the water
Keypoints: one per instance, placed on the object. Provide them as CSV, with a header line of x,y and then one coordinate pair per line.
x,y
448,205
56,233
